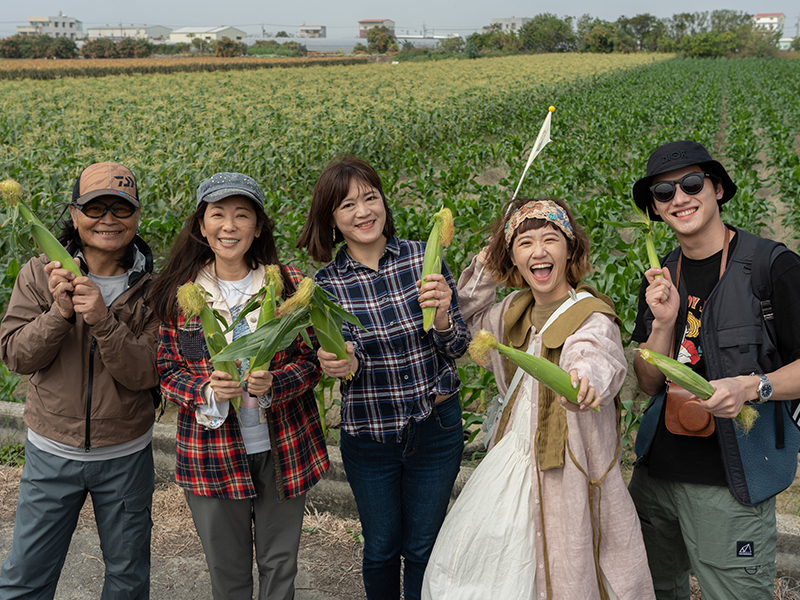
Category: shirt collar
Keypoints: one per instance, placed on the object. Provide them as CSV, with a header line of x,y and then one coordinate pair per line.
x,y
344,263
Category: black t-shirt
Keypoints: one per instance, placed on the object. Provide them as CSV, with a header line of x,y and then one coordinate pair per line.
x,y
697,459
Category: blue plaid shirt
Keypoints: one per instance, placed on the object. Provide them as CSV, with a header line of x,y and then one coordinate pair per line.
x,y
401,368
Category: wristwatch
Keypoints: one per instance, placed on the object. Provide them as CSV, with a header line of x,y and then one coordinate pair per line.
x,y
764,389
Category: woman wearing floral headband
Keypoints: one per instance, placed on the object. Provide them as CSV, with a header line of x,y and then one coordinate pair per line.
x,y
563,525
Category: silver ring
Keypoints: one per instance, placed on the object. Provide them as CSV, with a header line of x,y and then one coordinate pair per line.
x,y
438,303
441,294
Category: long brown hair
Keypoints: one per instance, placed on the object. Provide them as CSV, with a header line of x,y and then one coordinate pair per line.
x,y
191,252
320,235
498,259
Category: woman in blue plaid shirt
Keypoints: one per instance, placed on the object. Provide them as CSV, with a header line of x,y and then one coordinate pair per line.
x,y
401,438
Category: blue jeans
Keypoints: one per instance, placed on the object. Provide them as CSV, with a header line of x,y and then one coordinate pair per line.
x,y
52,492
402,491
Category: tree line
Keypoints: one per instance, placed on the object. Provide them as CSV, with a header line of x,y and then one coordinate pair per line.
x,y
43,46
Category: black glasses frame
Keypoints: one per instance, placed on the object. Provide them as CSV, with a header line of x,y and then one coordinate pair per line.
x,y
681,182
106,208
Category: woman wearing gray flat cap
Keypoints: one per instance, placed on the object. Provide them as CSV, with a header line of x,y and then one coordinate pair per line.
x,y
245,472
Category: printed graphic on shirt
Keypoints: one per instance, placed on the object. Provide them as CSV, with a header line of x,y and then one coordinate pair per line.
x,y
691,353
745,549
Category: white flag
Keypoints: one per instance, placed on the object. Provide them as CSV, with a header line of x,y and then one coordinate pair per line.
x,y
541,141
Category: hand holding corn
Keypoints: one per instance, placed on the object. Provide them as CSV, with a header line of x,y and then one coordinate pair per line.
x,y
333,367
725,399
588,398
436,294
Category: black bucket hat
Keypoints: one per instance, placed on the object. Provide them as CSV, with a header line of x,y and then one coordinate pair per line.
x,y
676,155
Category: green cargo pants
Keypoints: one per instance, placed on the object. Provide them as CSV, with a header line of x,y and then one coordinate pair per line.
x,y
729,547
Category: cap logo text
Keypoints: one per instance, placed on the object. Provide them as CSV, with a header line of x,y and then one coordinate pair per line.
x,y
673,156
124,181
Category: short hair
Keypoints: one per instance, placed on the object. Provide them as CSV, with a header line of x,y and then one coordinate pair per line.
x,y
498,258
319,235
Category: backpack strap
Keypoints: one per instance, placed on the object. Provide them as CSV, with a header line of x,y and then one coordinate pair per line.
x,y
765,253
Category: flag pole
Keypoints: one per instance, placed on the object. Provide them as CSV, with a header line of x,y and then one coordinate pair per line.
x,y
541,141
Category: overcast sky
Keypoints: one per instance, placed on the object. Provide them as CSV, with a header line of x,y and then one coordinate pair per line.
x,y
341,18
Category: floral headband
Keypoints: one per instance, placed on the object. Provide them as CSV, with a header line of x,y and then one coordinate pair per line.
x,y
539,209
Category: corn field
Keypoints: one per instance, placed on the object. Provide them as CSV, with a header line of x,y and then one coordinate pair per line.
x,y
451,132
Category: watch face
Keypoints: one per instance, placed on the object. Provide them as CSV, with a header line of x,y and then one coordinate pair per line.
x,y
764,389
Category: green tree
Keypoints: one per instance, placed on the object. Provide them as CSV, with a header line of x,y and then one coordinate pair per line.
x,y
126,48
10,47
359,47
63,48
453,44
228,48
380,40
41,46
795,44
729,20
143,49
548,33
471,47
281,34
99,48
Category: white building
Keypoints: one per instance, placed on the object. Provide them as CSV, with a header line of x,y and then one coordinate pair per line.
x,y
785,43
311,31
512,24
60,26
770,21
151,33
366,24
187,34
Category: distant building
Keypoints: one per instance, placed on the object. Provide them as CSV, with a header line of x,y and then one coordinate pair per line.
x,y
60,26
785,43
770,21
187,34
311,31
366,24
152,33
512,25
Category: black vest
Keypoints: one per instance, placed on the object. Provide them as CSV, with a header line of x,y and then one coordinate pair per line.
x,y
736,341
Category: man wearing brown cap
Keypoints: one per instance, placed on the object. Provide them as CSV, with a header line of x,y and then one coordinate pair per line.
x,y
726,303
88,344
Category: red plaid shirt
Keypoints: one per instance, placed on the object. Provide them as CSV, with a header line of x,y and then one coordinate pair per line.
x,y
213,462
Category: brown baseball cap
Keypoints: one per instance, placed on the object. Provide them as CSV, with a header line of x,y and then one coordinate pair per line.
x,y
105,179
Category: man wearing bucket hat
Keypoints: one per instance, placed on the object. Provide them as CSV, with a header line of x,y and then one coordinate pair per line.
x,y
725,302
88,344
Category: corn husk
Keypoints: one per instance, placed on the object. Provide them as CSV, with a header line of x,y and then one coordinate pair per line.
x,y
309,306
269,295
192,302
441,235
11,192
685,377
541,369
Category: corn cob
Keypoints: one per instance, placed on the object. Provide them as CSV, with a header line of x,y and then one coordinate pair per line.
x,y
309,306
541,369
269,305
685,377
192,301
441,235
326,317
11,192
643,220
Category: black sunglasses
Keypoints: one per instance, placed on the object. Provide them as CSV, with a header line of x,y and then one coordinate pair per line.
x,y
97,210
691,183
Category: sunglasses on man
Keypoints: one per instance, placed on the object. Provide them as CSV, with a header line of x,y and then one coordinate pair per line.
x,y
691,184
95,209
